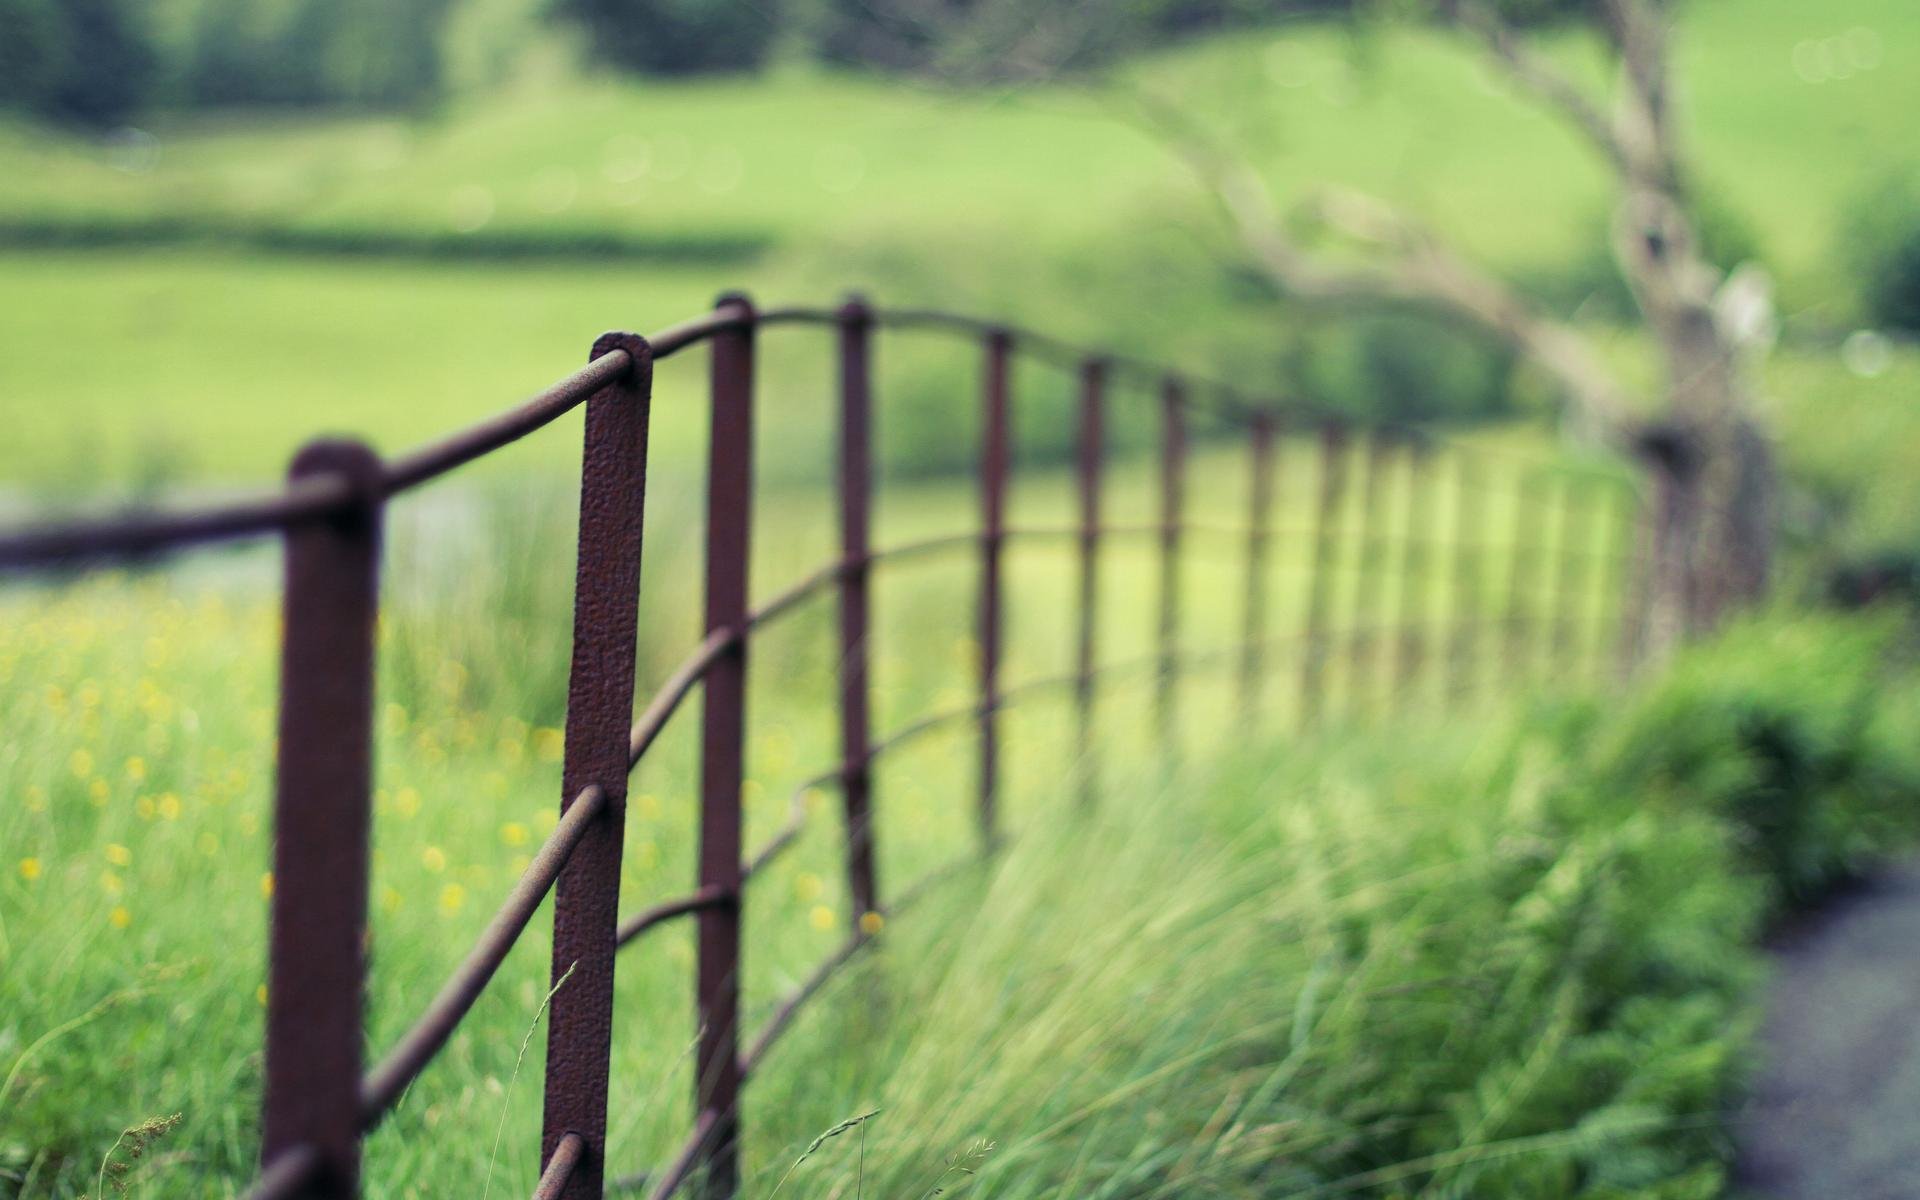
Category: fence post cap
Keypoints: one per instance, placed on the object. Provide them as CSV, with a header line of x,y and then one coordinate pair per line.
x,y
348,459
736,299
855,309
639,350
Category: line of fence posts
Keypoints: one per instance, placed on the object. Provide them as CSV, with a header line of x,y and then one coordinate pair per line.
x,y
315,1110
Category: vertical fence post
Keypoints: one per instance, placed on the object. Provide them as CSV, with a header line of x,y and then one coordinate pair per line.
x,y
1364,639
1571,559
613,486
723,730
1467,610
1173,452
322,813
856,496
1254,615
1093,378
1636,591
1414,600
995,456
1522,556
1313,654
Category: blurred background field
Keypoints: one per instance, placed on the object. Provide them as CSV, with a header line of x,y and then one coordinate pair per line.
x,y
1506,954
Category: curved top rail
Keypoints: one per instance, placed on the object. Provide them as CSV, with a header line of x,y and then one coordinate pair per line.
x,y
319,497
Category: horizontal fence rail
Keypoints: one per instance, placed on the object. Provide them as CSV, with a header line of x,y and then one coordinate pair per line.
x,y
1395,607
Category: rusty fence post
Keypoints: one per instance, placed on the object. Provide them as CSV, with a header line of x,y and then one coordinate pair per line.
x,y
1414,598
1468,608
1523,554
1259,515
322,814
722,746
1093,378
1571,561
1327,516
995,456
856,497
613,485
1173,453
1365,638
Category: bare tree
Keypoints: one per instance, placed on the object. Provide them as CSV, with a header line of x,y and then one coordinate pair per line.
x,y
1710,462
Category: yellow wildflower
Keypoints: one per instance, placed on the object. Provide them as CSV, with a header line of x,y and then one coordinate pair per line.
x,y
872,923
549,744
513,833
170,806
434,859
29,869
821,918
807,886
260,995
266,886
452,897
80,762
120,917
406,801
110,883
118,855
136,768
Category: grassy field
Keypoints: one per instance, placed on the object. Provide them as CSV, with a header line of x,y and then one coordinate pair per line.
x,y
1503,956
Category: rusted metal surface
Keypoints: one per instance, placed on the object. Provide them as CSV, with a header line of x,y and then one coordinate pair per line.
x,y
1525,561
995,455
1089,451
722,747
1173,495
1328,503
1468,607
317,1104
561,1165
323,786
613,477
1253,624
856,492
1414,596
1364,642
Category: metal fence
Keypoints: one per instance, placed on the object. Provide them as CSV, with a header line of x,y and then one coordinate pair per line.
x,y
1564,608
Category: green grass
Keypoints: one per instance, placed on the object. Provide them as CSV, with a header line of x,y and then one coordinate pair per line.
x,y
800,156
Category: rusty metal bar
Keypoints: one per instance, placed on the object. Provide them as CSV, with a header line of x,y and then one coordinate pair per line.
x,y
856,494
1524,552
698,900
1363,640
1466,611
1090,451
304,500
385,1084
613,485
1414,597
289,1172
1173,456
729,530
1313,658
1566,578
995,459
566,1159
1254,610
432,461
322,816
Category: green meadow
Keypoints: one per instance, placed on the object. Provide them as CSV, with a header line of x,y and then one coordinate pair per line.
x,y
1492,943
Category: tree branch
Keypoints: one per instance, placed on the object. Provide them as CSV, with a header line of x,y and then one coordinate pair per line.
x,y
1409,264
1540,77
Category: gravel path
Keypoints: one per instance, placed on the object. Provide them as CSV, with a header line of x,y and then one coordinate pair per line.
x,y
1835,1114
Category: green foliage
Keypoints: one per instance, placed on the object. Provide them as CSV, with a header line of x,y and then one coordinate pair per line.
x,y
1881,238
1591,284
367,53
83,61
675,37
1777,728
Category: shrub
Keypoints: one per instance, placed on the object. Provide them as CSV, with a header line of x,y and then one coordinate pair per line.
x,y
1882,240
674,37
